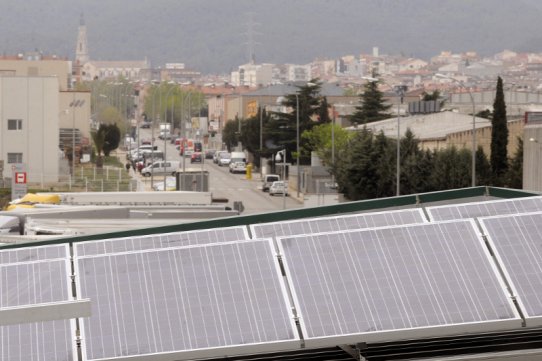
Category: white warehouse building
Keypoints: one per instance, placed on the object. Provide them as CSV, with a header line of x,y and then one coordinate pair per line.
x,y
29,108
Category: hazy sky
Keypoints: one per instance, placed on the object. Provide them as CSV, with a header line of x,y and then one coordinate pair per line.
x,y
213,35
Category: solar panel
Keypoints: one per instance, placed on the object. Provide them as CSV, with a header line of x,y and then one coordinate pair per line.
x,y
41,341
32,276
184,301
395,283
337,223
484,209
156,241
516,241
33,282
29,254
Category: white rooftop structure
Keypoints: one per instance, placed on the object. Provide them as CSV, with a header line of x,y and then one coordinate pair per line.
x,y
428,126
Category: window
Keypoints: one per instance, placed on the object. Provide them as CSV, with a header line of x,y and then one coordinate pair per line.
x,y
15,157
15,124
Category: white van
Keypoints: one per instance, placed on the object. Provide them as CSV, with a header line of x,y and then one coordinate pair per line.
x,y
161,167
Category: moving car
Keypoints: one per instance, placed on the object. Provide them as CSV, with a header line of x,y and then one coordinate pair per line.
x,y
268,179
196,157
278,187
146,125
238,167
210,153
224,159
217,155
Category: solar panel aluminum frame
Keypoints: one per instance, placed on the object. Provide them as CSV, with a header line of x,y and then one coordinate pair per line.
x,y
77,245
494,201
40,312
406,333
226,351
530,321
66,260
253,227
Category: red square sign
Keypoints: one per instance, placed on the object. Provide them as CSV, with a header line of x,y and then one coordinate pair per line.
x,y
20,178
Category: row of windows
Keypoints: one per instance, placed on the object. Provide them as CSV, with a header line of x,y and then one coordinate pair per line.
x,y
15,124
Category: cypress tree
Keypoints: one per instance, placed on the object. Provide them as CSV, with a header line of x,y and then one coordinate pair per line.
x,y
499,137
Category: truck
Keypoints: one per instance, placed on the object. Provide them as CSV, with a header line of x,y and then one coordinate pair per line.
x,y
238,162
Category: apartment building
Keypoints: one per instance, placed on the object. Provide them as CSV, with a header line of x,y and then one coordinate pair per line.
x,y
29,131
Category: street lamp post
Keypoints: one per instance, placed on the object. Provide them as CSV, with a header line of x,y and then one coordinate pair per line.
x,y
183,141
278,158
473,161
74,104
165,138
297,142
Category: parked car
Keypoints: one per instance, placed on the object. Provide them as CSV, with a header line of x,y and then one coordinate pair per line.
x,y
146,125
161,167
238,167
196,157
278,187
268,179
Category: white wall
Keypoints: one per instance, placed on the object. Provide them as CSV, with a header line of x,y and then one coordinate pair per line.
x,y
34,100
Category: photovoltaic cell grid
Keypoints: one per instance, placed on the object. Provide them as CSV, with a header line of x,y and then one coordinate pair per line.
x,y
484,209
517,240
331,224
33,254
40,341
157,241
31,276
181,299
395,278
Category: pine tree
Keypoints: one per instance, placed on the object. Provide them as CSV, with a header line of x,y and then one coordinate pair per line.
x,y
499,137
372,107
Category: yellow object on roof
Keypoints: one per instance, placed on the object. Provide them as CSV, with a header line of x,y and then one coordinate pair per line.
x,y
43,199
15,206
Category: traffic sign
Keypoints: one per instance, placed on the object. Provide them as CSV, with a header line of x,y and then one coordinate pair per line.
x,y
20,177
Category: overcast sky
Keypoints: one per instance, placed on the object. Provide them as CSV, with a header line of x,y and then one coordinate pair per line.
x,y
213,35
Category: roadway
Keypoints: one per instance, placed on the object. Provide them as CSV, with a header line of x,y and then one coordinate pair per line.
x,y
223,184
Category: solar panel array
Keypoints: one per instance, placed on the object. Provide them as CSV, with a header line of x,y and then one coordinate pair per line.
x,y
517,242
395,278
337,223
484,209
32,276
384,275
181,299
157,241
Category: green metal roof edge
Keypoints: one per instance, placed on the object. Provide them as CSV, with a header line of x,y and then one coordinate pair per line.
x,y
348,207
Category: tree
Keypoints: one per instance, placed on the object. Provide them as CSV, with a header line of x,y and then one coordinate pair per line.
x,y
499,137
98,138
356,169
514,177
111,136
229,133
372,106
321,140
282,129
483,168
